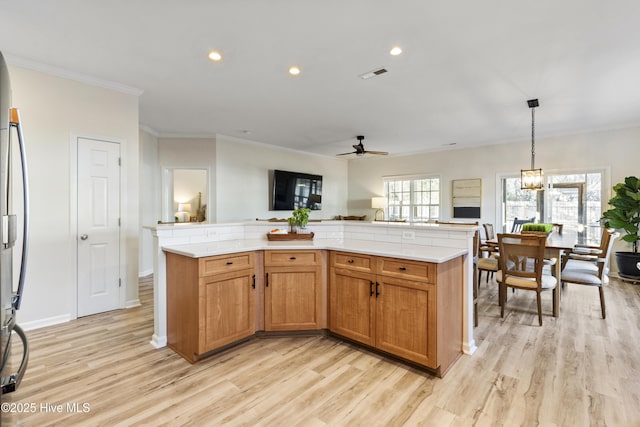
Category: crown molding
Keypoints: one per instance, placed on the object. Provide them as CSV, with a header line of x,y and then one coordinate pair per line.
x,y
30,64
183,135
229,138
149,130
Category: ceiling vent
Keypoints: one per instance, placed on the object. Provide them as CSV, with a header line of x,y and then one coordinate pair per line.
x,y
373,73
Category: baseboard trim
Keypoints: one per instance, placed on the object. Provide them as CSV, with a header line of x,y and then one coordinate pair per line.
x,y
469,347
158,341
143,274
132,303
42,323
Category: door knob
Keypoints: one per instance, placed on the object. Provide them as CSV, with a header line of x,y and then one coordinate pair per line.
x,y
84,237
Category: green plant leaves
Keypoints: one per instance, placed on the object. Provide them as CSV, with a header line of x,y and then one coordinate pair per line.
x,y
625,213
300,216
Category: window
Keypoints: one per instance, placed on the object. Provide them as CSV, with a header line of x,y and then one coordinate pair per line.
x,y
519,203
412,199
572,199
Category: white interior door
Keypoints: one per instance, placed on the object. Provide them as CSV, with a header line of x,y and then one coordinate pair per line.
x,y
98,226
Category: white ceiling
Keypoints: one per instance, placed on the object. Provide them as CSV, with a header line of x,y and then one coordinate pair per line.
x,y
467,69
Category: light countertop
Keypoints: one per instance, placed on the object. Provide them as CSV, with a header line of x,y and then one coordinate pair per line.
x,y
435,254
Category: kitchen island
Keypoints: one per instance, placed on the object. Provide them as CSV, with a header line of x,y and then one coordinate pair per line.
x,y
407,308
429,243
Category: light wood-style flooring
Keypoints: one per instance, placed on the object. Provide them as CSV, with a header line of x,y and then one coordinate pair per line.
x,y
575,370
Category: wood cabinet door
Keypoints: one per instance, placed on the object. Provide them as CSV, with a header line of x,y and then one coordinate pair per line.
x,y
406,320
227,312
352,305
292,298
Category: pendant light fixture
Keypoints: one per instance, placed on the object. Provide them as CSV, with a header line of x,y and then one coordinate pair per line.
x,y
532,179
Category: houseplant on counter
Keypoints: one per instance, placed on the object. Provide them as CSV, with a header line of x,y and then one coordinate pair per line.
x,y
625,215
299,219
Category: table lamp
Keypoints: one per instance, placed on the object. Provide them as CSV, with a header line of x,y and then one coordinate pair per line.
x,y
379,204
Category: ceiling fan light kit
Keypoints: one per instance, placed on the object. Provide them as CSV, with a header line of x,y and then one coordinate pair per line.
x,y
360,151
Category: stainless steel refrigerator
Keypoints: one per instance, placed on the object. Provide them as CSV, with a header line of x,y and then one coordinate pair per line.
x,y
13,232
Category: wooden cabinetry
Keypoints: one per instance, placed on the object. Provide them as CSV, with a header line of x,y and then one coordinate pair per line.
x,y
405,320
406,308
409,309
352,299
210,302
293,290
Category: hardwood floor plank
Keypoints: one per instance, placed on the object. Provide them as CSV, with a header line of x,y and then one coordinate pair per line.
x,y
578,369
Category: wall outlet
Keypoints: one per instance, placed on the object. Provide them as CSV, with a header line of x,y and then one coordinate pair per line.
x,y
409,235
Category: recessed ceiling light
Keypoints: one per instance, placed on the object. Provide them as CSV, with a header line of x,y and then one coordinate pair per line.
x,y
395,51
214,55
294,70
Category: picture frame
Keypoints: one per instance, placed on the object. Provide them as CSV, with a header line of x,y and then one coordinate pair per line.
x,y
466,198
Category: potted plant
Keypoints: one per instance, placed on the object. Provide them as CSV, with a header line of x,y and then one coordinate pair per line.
x,y
299,219
625,215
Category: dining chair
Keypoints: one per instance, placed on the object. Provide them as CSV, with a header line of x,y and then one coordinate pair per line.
x,y
489,264
490,251
558,227
585,252
517,223
521,263
550,262
591,269
486,247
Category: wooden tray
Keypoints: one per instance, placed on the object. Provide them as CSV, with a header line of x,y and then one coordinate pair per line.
x,y
290,236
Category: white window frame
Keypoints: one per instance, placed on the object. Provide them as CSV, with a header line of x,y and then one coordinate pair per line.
x,y
412,190
604,171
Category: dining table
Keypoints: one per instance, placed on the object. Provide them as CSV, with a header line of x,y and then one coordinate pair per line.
x,y
557,245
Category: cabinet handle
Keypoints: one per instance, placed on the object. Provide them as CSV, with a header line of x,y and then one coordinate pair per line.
x,y
350,261
254,281
370,288
292,258
229,262
377,292
266,282
403,268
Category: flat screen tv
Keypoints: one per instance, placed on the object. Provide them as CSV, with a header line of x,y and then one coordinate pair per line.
x,y
293,190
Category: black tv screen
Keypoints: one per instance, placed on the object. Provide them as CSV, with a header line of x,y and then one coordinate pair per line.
x,y
293,190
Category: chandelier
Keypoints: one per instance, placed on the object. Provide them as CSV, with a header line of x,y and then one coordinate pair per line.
x,y
532,179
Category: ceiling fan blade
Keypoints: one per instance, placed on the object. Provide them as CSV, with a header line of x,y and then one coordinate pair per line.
x,y
360,151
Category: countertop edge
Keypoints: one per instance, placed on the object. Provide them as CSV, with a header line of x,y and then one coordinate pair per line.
x,y
435,254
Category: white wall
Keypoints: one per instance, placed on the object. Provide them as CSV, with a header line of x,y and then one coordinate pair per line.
x,y
52,109
149,198
191,153
242,172
158,153
617,150
239,179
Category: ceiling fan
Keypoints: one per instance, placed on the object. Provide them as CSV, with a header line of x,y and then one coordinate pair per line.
x,y
360,151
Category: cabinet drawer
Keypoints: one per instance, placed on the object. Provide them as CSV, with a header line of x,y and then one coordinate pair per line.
x,y
416,270
353,261
291,258
225,263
